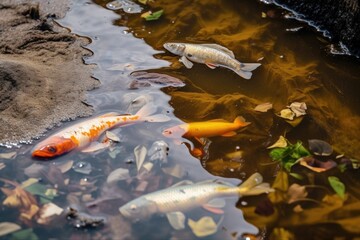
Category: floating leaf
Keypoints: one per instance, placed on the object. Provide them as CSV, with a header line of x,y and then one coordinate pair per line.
x,y
316,165
296,192
140,154
118,175
8,227
280,143
264,107
205,226
175,171
295,122
338,186
176,220
27,234
320,147
287,114
299,108
2,166
48,211
150,16
9,155
96,146
65,166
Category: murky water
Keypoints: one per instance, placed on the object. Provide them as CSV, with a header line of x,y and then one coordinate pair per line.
x,y
295,68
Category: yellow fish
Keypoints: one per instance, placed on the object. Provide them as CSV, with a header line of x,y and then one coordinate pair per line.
x,y
216,127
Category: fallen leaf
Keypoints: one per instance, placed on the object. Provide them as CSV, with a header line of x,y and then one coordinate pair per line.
x,y
320,147
96,146
8,227
118,175
24,234
280,143
296,192
205,226
287,114
150,16
264,107
338,186
281,233
140,154
176,220
295,122
9,155
65,166
175,171
142,1
82,167
2,166
158,152
316,165
299,108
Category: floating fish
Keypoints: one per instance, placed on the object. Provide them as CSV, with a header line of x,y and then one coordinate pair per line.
x,y
216,127
213,55
186,195
82,134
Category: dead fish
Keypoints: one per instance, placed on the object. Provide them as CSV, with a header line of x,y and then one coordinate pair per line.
x,y
146,79
213,55
185,196
82,134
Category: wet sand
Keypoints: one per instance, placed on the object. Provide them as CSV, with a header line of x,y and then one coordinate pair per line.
x,y
43,79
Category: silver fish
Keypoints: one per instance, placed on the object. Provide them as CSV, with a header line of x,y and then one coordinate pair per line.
x,y
185,197
213,55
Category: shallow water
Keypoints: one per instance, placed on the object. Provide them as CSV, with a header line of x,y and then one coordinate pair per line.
x,y
295,67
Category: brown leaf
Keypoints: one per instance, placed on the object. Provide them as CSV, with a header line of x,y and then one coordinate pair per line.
x,y
264,107
296,192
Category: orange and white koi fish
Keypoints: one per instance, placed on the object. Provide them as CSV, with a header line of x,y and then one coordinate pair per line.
x,y
82,134
216,127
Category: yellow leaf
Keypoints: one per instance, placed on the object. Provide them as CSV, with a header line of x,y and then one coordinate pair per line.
x,y
281,143
30,213
205,226
287,114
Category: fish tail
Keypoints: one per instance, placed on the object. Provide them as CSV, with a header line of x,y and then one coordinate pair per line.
x,y
254,186
147,111
245,69
241,121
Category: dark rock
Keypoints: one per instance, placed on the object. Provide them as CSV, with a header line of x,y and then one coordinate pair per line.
x,y
340,18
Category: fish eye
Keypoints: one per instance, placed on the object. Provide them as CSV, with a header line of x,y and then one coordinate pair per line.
x,y
189,55
169,132
51,149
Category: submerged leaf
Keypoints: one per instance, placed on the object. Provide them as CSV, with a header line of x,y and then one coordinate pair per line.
x,y
118,175
8,227
299,108
27,234
175,171
205,226
82,167
296,192
316,165
320,147
112,136
280,143
264,107
9,155
158,152
150,16
338,186
287,114
47,212
66,166
140,154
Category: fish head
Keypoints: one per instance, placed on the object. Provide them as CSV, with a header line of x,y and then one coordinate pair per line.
x,y
175,48
52,147
175,132
138,209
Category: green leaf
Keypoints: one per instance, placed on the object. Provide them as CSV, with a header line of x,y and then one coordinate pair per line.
x,y
26,234
149,16
278,153
338,186
297,176
142,1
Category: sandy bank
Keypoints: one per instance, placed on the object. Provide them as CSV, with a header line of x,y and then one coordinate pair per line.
x,y
42,76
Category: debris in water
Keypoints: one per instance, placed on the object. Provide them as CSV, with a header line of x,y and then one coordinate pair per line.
x,y
126,5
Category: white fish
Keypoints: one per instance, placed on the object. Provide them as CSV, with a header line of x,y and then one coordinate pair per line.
x,y
186,196
213,55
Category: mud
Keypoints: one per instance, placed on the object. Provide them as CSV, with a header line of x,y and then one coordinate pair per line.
x,y
43,79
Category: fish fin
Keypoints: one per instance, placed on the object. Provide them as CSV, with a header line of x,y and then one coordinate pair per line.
x,y
186,62
109,114
248,67
211,65
96,146
213,209
217,203
182,183
176,220
254,186
243,74
229,134
241,121
218,120
157,118
220,48
146,110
